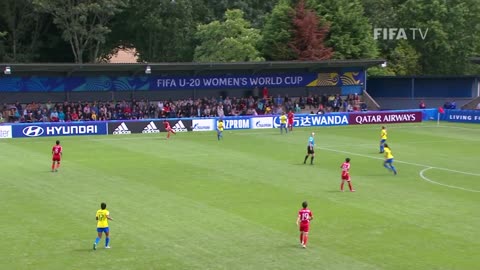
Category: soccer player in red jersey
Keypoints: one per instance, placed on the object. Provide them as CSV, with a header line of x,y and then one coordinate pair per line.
x,y
169,129
303,221
290,117
346,175
57,156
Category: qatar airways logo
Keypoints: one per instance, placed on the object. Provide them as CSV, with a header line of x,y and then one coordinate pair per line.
x,y
381,118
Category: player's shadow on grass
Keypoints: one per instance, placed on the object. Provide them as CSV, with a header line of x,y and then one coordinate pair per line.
x,y
85,250
302,164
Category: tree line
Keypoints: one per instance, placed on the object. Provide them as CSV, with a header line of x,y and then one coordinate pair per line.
x,y
416,37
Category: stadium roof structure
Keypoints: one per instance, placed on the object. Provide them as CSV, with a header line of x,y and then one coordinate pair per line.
x,y
475,60
132,69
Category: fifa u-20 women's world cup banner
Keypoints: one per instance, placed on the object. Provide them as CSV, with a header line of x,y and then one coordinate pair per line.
x,y
145,83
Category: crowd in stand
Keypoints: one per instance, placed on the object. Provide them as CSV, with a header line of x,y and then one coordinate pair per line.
x,y
203,107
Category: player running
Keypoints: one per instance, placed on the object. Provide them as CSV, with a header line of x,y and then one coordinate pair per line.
x,y
102,217
283,123
346,175
168,128
383,139
303,222
290,118
310,149
220,129
56,156
388,163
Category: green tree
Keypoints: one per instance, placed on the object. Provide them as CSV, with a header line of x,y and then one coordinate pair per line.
x,y
232,40
25,30
350,31
2,45
404,59
278,32
84,23
160,31
254,10
452,33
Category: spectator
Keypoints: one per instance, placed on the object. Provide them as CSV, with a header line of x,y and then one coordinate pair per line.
x,y
268,109
256,92
279,101
61,116
447,105
298,109
265,92
453,105
363,106
75,115
350,107
422,105
337,102
93,116
49,105
478,106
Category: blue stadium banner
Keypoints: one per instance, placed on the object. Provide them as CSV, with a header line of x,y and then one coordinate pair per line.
x,y
464,116
148,126
145,83
316,120
235,123
58,129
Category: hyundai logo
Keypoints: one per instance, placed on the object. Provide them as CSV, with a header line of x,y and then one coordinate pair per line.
x,y
33,131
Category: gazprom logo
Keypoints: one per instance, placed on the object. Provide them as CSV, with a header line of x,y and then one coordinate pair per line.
x,y
237,123
263,124
33,131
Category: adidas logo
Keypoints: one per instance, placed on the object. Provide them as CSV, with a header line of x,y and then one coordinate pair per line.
x,y
151,128
122,129
180,127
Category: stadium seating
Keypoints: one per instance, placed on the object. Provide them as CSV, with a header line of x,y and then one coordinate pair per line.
x,y
141,109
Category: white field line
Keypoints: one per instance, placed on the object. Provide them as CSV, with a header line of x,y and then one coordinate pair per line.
x,y
437,183
428,167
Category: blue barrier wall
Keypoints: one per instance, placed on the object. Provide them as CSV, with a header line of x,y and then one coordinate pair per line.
x,y
421,87
32,130
462,116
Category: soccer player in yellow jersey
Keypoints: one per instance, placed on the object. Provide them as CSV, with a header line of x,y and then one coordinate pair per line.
x,y
220,129
102,217
388,163
383,139
283,123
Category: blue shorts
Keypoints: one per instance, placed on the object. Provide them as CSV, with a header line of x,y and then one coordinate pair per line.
x,y
382,141
103,230
283,125
390,160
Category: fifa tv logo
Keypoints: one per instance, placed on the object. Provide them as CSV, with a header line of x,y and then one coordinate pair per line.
x,y
400,33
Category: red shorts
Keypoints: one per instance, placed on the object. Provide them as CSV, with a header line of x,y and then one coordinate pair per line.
x,y
290,123
346,176
56,158
169,130
304,227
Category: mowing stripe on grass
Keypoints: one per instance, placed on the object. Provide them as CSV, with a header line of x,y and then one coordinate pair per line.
x,y
414,164
400,161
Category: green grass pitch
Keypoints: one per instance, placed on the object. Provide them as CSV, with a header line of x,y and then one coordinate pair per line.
x,y
195,203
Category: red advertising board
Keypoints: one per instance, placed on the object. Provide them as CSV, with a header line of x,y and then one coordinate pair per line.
x,y
384,117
